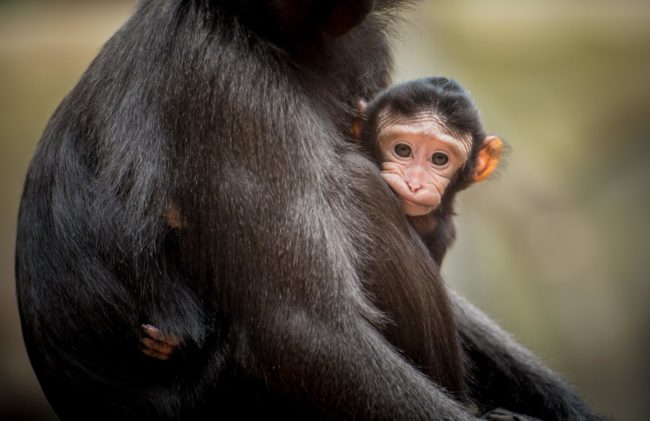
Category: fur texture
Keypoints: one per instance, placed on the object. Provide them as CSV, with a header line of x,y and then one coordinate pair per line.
x,y
296,279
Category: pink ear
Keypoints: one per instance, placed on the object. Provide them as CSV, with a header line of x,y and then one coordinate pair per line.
x,y
488,158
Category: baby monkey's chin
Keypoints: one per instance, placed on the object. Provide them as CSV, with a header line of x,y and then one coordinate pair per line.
x,y
413,209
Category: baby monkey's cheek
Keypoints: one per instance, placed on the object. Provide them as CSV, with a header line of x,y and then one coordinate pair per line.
x,y
396,183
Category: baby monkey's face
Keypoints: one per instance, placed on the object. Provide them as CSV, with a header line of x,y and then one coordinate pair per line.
x,y
419,158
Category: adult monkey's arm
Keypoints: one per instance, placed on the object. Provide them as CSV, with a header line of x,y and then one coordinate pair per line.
x,y
505,374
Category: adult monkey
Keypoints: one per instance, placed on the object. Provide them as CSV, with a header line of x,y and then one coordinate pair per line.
x,y
297,287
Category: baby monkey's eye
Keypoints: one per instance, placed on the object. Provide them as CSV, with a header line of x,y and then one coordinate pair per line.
x,y
439,159
403,150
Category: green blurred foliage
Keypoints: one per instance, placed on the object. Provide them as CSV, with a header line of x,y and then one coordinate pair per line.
x,y
555,249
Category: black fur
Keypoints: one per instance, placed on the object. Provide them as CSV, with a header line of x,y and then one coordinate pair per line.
x,y
298,283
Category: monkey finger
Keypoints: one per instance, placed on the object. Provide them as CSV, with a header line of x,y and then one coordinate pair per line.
x,y
152,332
155,333
155,355
157,346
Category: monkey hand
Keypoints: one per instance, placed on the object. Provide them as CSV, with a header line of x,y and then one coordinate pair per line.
x,y
155,345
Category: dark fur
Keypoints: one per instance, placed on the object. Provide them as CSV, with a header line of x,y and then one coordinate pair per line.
x,y
298,282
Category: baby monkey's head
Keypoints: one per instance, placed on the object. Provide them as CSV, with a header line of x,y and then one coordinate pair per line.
x,y
430,142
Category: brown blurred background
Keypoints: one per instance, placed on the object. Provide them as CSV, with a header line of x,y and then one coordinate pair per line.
x,y
556,249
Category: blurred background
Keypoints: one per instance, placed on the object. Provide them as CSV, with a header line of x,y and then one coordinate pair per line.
x,y
556,249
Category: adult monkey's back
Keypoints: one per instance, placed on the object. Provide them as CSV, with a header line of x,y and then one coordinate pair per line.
x,y
198,178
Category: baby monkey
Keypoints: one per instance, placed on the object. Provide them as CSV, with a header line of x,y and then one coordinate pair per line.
x,y
428,138
429,141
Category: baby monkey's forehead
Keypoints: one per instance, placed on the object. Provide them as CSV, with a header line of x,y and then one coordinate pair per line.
x,y
423,124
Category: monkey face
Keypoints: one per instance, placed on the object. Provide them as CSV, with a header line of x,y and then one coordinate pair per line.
x,y
419,158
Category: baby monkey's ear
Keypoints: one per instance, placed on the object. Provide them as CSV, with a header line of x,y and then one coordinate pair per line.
x,y
359,119
488,158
